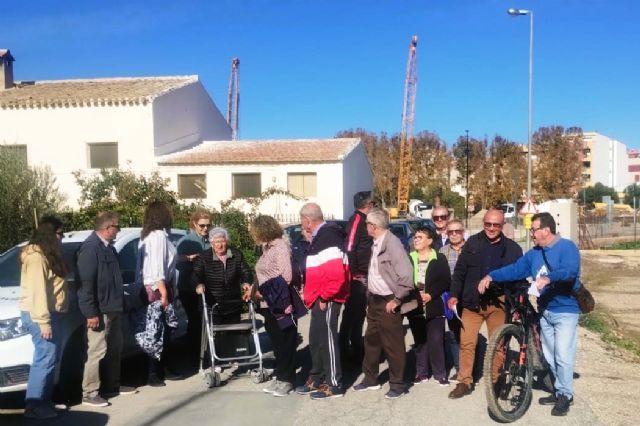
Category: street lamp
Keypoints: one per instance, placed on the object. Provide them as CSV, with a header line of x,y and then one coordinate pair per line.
x,y
466,192
521,12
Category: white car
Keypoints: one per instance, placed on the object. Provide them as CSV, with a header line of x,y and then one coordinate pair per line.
x,y
16,348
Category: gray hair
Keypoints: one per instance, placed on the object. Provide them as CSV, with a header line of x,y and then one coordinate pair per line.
x,y
218,231
379,217
312,211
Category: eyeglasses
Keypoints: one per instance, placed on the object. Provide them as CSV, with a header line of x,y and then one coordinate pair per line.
x,y
114,226
203,225
370,223
533,230
490,225
441,217
455,231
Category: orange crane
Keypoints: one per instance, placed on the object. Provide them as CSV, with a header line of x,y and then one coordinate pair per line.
x,y
406,134
233,102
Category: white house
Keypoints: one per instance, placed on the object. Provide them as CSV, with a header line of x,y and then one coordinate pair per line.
x,y
90,124
326,171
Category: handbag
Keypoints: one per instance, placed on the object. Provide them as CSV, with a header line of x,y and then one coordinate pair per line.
x,y
583,296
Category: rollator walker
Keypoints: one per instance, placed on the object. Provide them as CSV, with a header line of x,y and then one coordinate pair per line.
x,y
230,345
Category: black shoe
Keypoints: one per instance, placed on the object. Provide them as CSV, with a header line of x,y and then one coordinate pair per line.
x,y
551,400
95,401
562,406
155,381
169,374
123,390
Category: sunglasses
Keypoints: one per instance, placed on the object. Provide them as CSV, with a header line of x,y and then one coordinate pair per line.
x,y
203,225
455,231
490,225
442,217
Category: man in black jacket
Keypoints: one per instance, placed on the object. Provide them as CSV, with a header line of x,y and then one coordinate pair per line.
x,y
101,301
482,253
358,248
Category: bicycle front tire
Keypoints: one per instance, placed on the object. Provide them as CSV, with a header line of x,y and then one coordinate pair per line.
x,y
508,382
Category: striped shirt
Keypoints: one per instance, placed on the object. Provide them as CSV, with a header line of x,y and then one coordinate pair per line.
x,y
452,255
275,261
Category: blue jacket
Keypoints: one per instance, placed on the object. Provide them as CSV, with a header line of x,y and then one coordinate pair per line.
x,y
101,290
564,258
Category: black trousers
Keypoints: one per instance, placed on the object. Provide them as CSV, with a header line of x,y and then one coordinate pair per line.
x,y
355,311
324,345
193,308
285,343
435,347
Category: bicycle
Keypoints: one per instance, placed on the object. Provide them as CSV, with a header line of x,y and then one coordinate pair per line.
x,y
513,358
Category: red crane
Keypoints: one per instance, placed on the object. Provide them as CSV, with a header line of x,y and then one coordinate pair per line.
x,y
406,134
233,102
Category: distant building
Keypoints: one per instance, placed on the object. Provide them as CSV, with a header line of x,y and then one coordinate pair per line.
x,y
634,165
326,171
604,160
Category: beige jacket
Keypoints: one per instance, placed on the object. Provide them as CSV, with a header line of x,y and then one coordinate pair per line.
x,y
41,292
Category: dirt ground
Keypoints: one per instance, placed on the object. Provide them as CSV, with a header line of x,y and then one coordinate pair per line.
x,y
608,375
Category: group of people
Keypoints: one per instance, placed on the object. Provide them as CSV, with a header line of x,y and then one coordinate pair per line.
x,y
442,288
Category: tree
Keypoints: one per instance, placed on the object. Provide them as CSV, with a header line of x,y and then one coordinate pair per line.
x,y
630,192
558,165
26,193
594,194
509,171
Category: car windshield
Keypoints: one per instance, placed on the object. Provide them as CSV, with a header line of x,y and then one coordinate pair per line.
x,y
397,229
10,264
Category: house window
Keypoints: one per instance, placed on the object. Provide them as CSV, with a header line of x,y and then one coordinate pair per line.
x,y
103,155
19,151
192,186
246,185
302,184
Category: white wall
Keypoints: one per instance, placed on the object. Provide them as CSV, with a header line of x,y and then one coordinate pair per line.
x,y
58,137
609,164
357,177
219,185
185,117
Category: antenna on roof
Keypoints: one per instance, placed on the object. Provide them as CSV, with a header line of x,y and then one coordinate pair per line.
x,y
233,102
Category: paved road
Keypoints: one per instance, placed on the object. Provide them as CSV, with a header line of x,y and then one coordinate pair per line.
x,y
241,402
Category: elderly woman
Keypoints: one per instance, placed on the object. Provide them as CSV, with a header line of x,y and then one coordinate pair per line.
x,y
432,278
189,248
223,276
273,271
43,298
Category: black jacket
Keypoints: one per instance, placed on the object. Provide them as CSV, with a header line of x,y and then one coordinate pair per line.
x,y
469,270
101,290
438,280
358,244
223,285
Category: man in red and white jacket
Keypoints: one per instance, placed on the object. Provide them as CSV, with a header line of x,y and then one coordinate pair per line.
x,y
326,289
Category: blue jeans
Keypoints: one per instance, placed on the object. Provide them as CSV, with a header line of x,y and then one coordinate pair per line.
x,y
43,366
559,338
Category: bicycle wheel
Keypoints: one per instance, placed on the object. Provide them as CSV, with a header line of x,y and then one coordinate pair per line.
x,y
508,378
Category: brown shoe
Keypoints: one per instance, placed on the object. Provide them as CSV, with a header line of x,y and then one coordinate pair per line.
x,y
460,391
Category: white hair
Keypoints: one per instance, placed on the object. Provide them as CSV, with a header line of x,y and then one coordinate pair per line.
x,y
379,217
217,232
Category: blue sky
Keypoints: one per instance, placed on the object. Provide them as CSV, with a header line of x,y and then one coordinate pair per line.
x,y
310,68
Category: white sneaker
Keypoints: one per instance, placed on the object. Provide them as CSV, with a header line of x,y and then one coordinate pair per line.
x,y
283,389
271,386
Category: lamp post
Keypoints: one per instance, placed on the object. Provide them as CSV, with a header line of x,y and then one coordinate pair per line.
x,y
521,12
466,192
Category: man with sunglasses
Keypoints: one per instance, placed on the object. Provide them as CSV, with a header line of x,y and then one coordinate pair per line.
x,y
554,265
101,301
189,248
482,253
440,217
451,250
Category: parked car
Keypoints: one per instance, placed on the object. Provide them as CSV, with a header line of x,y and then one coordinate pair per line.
x,y
421,223
15,342
403,230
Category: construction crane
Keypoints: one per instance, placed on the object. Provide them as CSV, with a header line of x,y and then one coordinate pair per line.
x,y
233,102
406,134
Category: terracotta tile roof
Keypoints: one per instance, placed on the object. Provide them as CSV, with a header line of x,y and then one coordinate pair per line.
x,y
264,152
92,92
